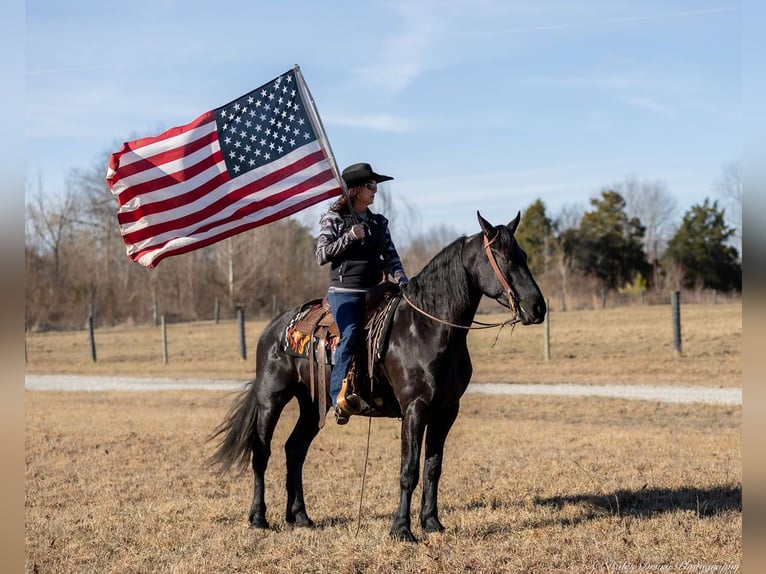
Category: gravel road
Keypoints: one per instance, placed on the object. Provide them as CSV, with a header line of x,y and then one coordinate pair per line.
x,y
666,394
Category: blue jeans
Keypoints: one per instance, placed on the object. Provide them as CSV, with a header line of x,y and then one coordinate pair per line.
x,y
348,311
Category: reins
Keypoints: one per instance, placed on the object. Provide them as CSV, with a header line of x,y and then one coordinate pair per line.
x,y
478,324
474,324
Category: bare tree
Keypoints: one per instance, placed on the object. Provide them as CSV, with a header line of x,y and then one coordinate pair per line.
x,y
568,218
51,221
655,208
729,188
420,250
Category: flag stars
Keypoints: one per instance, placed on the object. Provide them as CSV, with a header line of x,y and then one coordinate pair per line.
x,y
263,126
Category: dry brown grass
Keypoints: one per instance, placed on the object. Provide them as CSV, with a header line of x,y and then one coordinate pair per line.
x,y
621,345
115,482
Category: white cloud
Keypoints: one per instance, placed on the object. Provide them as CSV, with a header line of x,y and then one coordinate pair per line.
x,y
652,105
379,122
404,55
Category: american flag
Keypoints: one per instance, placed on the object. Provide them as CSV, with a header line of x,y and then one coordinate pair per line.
x,y
257,159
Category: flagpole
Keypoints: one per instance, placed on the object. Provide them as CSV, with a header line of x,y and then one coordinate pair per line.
x,y
324,141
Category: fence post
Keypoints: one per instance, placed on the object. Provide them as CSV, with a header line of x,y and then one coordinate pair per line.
x,y
241,321
273,306
547,323
217,310
675,303
164,340
603,298
91,333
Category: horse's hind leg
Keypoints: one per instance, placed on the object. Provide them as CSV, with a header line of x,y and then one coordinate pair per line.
x,y
296,448
268,415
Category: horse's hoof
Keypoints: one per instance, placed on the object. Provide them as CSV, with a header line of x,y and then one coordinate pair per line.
x,y
432,525
404,534
301,521
258,522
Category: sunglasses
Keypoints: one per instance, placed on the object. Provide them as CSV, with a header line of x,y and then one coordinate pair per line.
x,y
371,185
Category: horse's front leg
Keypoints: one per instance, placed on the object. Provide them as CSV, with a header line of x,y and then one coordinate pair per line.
x,y
438,428
296,448
413,426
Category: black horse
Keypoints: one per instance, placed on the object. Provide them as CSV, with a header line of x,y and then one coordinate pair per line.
x,y
427,365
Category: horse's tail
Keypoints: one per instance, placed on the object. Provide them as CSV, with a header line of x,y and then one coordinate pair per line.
x,y
235,432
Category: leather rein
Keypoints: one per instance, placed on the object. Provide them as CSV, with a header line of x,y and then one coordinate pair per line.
x,y
512,298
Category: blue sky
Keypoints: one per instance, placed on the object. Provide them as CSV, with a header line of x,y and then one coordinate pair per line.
x,y
469,104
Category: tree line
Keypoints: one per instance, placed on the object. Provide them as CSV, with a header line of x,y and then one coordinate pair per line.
x,y
626,242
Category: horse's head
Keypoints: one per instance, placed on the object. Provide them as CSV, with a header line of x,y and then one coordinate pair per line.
x,y
504,274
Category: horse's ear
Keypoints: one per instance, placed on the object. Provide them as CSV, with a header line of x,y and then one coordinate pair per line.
x,y
515,223
488,229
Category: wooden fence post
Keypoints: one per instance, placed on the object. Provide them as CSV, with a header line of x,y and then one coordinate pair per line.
x,y
241,321
548,332
675,303
91,333
217,310
164,340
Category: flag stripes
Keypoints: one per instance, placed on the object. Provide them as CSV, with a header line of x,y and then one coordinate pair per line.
x,y
199,183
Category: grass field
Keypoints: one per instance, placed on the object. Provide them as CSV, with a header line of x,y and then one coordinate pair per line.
x,y
116,481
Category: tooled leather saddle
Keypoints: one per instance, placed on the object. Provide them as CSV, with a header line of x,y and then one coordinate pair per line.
x,y
313,334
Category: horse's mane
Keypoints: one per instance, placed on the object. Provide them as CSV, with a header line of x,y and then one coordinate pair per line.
x,y
442,281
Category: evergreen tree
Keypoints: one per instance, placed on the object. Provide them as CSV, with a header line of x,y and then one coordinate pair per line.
x,y
536,237
608,244
700,249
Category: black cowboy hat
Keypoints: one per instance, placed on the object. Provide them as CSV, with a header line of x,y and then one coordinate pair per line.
x,y
360,173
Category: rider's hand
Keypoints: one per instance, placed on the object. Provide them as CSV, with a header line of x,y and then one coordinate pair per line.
x,y
358,231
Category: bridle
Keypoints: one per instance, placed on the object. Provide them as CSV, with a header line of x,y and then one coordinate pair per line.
x,y
509,292
513,299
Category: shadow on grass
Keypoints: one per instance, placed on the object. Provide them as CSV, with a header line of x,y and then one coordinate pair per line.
x,y
653,501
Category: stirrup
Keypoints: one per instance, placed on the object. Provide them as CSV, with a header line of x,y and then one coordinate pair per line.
x,y
341,415
347,402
